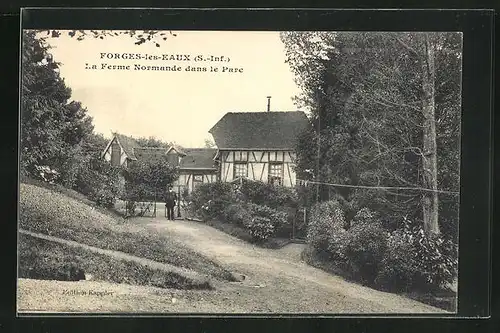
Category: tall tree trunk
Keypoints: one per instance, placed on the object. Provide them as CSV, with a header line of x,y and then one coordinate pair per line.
x,y
430,201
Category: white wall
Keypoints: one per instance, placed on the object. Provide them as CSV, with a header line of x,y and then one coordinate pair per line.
x,y
258,164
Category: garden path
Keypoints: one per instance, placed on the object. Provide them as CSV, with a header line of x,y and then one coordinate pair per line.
x,y
278,280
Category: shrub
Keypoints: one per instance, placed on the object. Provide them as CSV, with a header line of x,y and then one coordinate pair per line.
x,y
47,174
365,247
326,228
277,218
261,228
417,261
237,213
103,196
100,182
211,199
267,194
398,268
363,216
437,258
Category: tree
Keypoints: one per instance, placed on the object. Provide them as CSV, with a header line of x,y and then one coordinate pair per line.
x,y
140,36
152,142
148,179
384,106
430,200
51,126
209,143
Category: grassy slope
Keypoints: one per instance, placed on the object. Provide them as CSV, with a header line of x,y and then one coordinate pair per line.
x,y
45,260
45,211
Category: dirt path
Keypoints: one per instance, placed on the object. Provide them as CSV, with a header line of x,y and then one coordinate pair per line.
x,y
277,280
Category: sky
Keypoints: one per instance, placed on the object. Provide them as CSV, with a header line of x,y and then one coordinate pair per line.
x,y
175,106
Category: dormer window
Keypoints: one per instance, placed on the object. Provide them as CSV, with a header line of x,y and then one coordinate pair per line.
x,y
116,152
173,158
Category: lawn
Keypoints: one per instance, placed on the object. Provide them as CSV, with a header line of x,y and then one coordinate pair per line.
x,y
45,260
45,211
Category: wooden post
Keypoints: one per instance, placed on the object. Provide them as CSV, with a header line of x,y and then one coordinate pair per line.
x,y
178,201
154,211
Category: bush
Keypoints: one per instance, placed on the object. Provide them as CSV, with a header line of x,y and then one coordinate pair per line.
x,y
100,182
363,216
267,194
326,228
438,262
365,247
276,217
398,268
210,200
261,228
237,213
417,261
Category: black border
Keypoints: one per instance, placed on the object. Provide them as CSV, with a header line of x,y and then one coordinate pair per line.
x,y
477,27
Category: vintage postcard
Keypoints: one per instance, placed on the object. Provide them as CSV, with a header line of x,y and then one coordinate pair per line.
x,y
239,172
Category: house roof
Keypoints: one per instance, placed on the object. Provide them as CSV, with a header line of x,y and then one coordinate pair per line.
x,y
259,130
149,152
192,158
177,148
198,158
128,144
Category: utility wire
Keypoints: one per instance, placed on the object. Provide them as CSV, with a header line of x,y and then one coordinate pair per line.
x,y
379,187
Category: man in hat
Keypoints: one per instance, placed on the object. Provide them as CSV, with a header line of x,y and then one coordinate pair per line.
x,y
170,202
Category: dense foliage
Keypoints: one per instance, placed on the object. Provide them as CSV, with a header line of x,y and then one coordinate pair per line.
x,y
263,209
100,182
366,95
57,140
210,200
386,112
406,259
52,126
266,194
148,179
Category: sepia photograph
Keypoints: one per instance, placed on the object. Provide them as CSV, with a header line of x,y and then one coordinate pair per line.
x,y
239,172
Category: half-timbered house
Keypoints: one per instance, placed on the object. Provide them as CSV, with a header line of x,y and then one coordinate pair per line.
x,y
196,166
120,150
258,145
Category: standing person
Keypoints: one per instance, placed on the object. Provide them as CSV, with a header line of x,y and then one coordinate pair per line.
x,y
170,202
